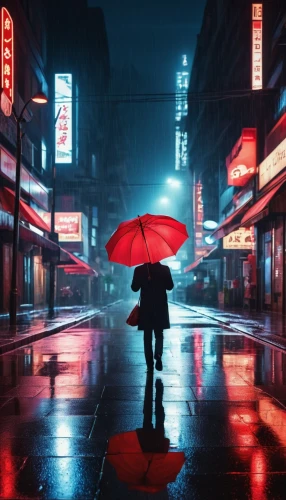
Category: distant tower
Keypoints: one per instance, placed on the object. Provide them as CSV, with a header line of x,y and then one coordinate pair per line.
x,y
182,84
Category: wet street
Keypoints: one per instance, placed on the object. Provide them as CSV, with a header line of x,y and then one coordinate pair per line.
x,y
220,401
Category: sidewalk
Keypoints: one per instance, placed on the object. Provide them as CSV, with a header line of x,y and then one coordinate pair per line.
x,y
269,328
37,326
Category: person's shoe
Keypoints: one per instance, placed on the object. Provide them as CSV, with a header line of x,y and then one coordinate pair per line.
x,y
159,364
150,368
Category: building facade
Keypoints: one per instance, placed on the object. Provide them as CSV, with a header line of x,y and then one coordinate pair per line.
x,y
89,176
29,61
235,104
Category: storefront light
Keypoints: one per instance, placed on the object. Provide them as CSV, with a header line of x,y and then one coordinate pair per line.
x,y
209,240
210,225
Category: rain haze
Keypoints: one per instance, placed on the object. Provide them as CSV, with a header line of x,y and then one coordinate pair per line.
x,y
146,42
142,249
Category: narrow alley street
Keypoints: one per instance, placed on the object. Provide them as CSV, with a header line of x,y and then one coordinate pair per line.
x,y
220,399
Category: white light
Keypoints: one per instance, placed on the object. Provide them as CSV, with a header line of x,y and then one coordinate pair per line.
x,y
164,200
210,225
173,182
209,240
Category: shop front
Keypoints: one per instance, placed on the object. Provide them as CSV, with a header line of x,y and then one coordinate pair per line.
x,y
238,242
268,214
205,275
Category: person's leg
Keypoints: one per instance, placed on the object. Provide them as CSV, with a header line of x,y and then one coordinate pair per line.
x,y
148,350
158,343
158,349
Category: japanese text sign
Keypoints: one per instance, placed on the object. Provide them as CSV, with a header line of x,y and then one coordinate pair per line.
x,y
67,224
272,165
63,116
7,62
199,215
257,32
241,239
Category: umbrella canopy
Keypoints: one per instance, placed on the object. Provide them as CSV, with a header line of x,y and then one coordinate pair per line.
x,y
150,472
149,238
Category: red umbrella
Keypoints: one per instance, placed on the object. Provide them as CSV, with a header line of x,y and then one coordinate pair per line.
x,y
149,238
150,472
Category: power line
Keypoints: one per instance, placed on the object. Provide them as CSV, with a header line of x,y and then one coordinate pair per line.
x,y
213,96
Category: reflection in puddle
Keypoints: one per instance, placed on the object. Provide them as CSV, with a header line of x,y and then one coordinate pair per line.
x,y
141,457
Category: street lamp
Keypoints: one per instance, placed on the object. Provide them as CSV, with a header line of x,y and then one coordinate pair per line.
x,y
164,200
39,98
173,182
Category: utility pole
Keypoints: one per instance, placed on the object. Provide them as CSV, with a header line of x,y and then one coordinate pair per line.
x,y
39,98
53,236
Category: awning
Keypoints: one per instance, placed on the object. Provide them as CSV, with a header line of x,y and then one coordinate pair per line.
x,y
26,234
74,265
7,198
36,239
199,261
231,223
260,209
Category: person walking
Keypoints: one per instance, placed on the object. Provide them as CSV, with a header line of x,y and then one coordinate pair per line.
x,y
153,280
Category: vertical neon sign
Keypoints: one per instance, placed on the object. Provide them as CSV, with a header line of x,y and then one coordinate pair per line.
x,y
7,62
181,136
63,115
257,16
199,214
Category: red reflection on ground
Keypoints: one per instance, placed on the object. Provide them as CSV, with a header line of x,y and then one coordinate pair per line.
x,y
258,477
198,359
8,472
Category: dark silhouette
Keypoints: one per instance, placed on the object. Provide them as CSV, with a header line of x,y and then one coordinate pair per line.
x,y
141,458
153,280
153,439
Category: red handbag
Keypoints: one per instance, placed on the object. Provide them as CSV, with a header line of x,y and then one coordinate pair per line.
x,y
133,318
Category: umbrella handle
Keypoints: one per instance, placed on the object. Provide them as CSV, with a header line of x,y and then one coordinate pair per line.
x,y
143,234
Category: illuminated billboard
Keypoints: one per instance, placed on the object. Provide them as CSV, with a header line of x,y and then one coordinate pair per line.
x,y
181,136
7,62
67,224
241,239
198,216
272,165
256,69
241,162
63,117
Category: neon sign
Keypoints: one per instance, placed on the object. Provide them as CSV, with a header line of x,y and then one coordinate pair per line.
x,y
257,11
67,224
199,216
241,162
181,137
63,116
241,239
7,62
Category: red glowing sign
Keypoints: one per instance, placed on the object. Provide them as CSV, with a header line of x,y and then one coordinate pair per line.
x,y
241,162
7,62
199,215
67,224
257,11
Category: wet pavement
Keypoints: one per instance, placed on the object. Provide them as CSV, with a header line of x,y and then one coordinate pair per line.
x,y
211,425
36,325
269,327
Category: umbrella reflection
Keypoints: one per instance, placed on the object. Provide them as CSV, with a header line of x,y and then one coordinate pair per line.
x,y
141,458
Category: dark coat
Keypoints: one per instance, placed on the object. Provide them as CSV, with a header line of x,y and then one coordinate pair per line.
x,y
154,311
